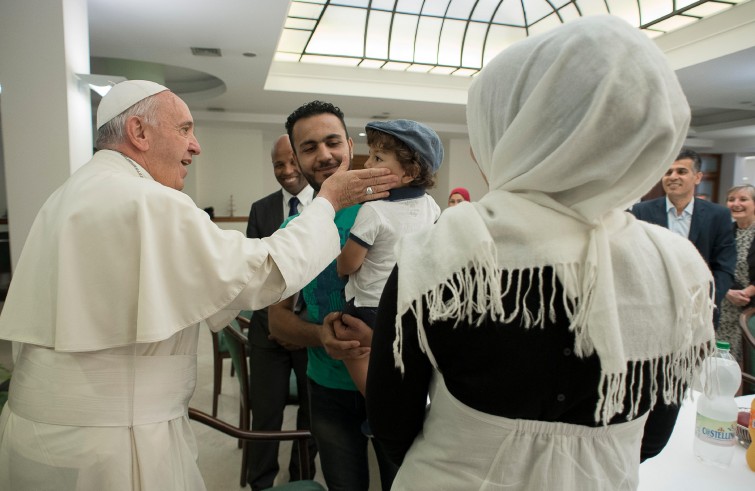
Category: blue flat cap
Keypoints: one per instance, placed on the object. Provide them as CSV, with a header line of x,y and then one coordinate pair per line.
x,y
417,136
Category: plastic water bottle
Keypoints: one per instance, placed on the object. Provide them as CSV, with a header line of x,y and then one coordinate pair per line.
x,y
716,423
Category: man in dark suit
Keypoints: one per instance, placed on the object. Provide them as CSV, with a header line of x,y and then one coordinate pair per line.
x,y
270,360
706,224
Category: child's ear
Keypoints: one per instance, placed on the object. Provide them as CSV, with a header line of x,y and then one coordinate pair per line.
x,y
407,178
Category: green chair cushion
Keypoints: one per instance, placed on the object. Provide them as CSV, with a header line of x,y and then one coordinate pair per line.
x,y
222,343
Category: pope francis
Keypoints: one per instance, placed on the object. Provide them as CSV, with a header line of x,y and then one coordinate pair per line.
x,y
118,270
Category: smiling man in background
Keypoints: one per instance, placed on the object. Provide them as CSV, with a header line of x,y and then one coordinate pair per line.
x,y
707,225
270,362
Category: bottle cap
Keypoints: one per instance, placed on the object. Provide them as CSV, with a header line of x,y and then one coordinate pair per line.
x,y
723,345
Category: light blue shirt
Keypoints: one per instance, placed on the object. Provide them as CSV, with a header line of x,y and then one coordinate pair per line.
x,y
679,224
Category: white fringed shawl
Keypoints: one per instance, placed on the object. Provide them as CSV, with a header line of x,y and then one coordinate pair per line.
x,y
570,128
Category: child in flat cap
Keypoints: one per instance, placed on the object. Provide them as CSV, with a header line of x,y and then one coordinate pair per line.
x,y
413,152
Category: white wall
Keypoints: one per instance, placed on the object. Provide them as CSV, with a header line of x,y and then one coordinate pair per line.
x,y
46,111
463,171
230,165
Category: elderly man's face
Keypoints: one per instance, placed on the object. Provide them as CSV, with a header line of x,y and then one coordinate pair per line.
x,y
171,142
320,145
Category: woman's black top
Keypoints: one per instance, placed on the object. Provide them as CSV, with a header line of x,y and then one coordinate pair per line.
x,y
501,369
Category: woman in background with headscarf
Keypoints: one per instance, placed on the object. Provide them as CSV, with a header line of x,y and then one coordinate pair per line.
x,y
549,327
458,195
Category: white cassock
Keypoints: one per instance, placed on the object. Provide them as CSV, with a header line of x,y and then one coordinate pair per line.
x,y
116,274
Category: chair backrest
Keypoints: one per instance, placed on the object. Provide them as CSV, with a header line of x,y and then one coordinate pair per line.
x,y
747,323
236,342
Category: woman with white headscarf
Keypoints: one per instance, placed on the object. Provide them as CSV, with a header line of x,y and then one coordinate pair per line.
x,y
549,327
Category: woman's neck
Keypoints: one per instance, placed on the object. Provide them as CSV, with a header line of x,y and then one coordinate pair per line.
x,y
745,222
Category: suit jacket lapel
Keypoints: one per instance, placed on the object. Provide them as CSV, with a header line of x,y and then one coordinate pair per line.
x,y
662,213
276,214
698,218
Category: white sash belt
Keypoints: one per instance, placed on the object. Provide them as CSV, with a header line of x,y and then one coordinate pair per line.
x,y
95,389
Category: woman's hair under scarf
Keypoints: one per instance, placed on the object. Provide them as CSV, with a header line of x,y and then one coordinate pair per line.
x,y
570,128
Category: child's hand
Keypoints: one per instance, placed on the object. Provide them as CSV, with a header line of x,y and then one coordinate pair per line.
x,y
344,332
355,329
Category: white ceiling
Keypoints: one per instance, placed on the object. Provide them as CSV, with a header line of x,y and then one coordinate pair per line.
x,y
716,71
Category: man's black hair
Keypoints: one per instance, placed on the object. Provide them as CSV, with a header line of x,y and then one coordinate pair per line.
x,y
693,156
310,109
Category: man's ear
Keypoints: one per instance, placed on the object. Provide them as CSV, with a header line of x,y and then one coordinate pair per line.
x,y
135,132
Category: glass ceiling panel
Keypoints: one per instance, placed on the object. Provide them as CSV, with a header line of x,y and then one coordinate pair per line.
x,y
460,9
304,24
534,10
510,13
428,36
626,10
352,3
453,37
402,37
436,8
383,4
409,6
546,24
484,11
652,9
598,7
377,41
474,41
306,10
569,12
340,32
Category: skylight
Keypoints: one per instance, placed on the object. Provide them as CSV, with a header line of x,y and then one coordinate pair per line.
x,y
455,37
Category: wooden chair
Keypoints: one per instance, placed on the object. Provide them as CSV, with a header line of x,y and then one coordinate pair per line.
x,y
245,435
236,342
747,323
219,353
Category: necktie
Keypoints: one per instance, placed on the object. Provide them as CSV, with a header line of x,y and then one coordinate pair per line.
x,y
293,206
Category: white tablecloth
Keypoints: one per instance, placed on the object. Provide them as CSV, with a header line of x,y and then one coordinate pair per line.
x,y
676,468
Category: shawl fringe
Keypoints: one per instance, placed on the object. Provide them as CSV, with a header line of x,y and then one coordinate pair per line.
x,y
474,294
